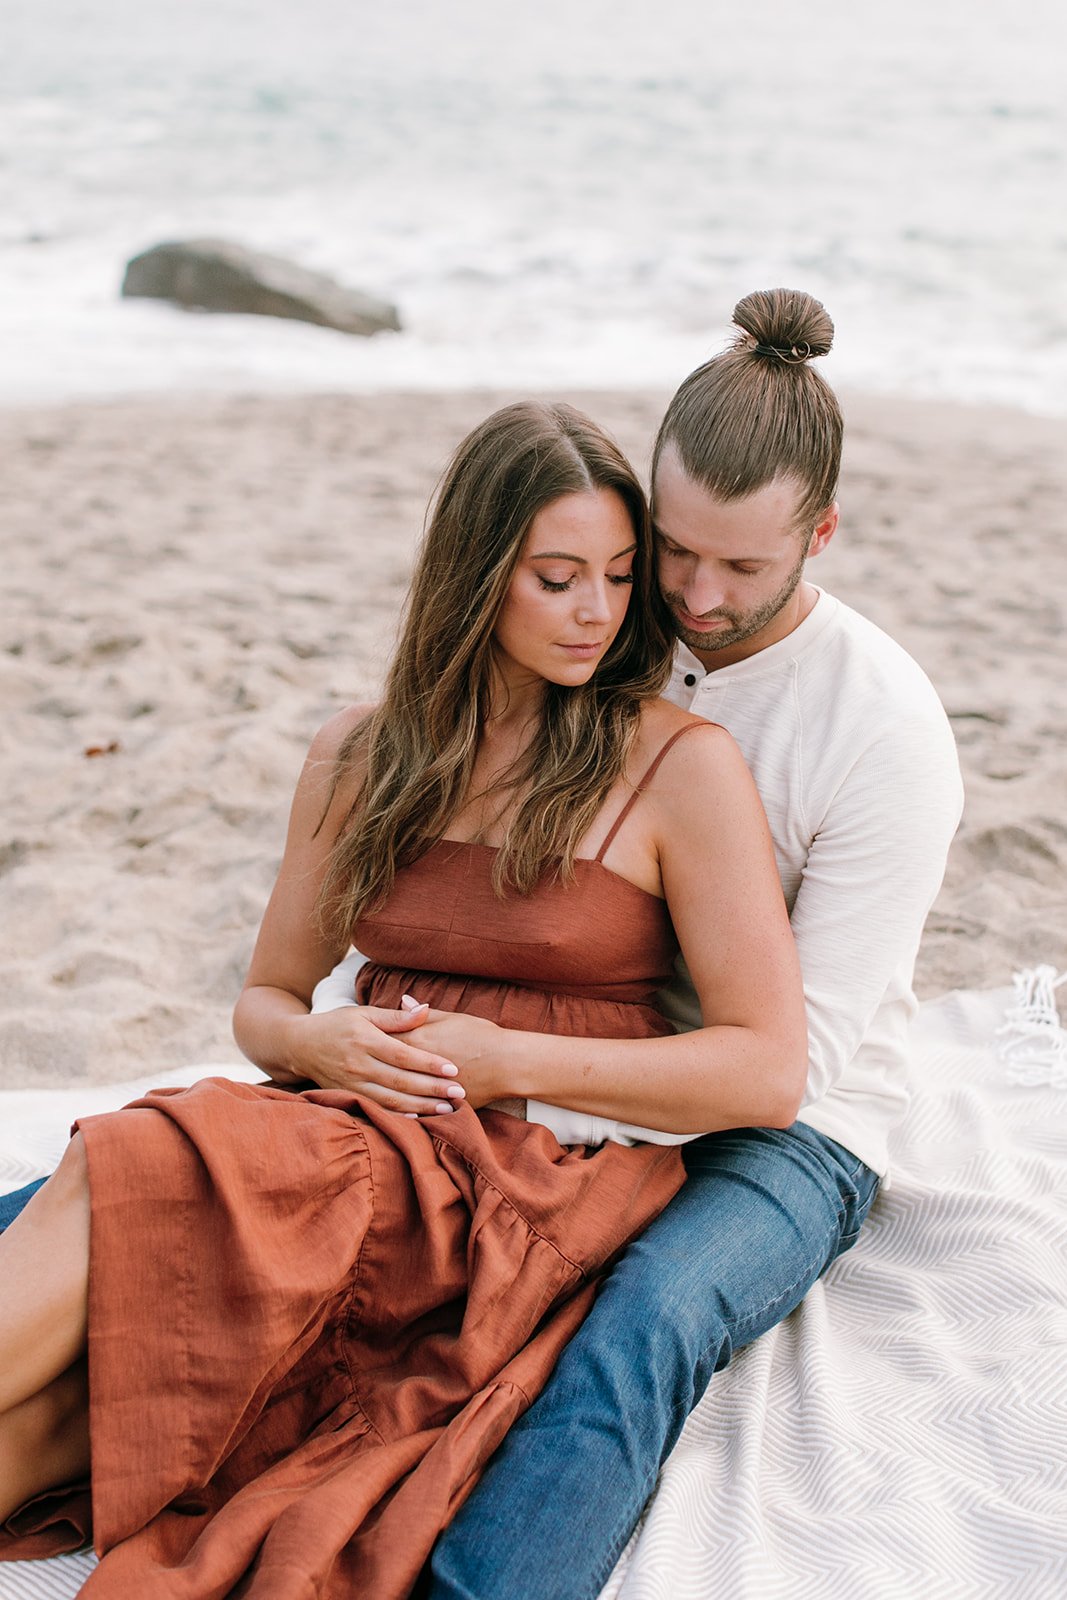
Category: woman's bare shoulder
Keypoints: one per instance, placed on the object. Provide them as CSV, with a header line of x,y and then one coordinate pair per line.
x,y
327,742
702,774
661,722
322,781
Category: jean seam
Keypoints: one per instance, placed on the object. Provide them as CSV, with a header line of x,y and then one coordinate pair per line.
x,y
680,1407
684,1410
862,1210
810,1272
621,1537
618,1544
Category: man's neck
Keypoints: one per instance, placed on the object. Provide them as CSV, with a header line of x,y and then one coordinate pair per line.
x,y
799,606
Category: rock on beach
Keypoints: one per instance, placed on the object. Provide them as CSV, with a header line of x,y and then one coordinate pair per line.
x,y
217,275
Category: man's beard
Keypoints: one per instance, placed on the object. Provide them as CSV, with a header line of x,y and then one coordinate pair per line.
x,y
742,624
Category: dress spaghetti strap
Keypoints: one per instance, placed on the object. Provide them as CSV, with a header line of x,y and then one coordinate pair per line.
x,y
639,787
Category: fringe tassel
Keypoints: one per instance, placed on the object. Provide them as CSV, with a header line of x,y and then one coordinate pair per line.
x,y
1033,1042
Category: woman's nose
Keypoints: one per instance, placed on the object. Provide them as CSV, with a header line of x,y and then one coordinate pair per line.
x,y
593,604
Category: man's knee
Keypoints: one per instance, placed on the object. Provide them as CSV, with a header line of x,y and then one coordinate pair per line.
x,y
654,1337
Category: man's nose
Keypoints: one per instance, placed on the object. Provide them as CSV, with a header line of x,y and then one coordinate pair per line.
x,y
703,593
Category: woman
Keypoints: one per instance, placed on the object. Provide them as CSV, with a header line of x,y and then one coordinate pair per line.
x,y
309,1319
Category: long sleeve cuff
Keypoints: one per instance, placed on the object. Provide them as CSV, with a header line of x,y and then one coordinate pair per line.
x,y
338,988
580,1127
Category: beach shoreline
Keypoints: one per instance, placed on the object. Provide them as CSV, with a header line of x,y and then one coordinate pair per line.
x,y
196,582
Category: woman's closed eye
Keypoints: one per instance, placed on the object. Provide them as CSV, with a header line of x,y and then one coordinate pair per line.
x,y
617,578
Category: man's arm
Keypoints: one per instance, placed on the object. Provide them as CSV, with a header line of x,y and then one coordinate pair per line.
x,y
338,988
875,866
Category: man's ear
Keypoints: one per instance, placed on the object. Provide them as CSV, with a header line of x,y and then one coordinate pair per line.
x,y
823,531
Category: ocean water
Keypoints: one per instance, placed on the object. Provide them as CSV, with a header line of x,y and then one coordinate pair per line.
x,y
572,194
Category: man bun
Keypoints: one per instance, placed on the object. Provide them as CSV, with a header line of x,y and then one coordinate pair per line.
x,y
759,411
784,324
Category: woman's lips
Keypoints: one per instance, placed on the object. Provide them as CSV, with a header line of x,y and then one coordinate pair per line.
x,y
583,651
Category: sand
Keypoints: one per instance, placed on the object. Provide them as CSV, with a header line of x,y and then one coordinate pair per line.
x,y
193,586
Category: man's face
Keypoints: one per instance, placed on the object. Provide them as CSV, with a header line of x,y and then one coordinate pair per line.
x,y
731,570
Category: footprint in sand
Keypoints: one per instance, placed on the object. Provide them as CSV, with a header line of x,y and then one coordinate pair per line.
x,y
1016,849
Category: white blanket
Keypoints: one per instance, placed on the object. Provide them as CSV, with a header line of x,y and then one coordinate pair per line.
x,y
904,1433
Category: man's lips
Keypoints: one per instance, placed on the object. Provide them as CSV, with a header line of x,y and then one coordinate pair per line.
x,y
699,624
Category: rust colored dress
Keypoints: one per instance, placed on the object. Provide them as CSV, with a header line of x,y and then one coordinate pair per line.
x,y
311,1321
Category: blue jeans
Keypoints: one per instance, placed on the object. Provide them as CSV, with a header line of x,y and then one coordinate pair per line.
x,y
762,1214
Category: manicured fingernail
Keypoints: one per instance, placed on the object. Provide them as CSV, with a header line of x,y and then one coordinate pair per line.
x,y
409,1003
414,1115
456,1091
443,1106
449,1070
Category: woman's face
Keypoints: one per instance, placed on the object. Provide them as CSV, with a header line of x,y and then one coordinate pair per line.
x,y
570,590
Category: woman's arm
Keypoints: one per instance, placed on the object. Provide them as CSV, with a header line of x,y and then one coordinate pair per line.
x,y
351,1048
748,1066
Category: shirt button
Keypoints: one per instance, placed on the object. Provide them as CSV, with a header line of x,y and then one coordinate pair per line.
x,y
690,679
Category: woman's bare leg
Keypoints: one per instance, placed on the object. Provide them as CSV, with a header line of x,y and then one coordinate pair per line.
x,y
44,1269
44,1442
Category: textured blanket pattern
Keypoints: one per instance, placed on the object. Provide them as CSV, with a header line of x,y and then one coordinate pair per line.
x,y
905,1431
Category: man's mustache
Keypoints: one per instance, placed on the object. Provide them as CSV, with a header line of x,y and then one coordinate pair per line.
x,y
676,601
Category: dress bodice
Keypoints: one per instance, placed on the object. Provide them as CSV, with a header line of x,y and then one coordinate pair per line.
x,y
579,957
584,957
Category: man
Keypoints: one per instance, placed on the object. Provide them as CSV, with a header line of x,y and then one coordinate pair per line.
x,y
854,759
855,762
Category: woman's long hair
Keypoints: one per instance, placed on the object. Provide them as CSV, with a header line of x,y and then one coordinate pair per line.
x,y
415,753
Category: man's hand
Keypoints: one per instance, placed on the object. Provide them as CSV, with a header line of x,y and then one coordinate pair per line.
x,y
355,1048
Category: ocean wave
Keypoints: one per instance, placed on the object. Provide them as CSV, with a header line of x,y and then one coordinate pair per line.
x,y
588,218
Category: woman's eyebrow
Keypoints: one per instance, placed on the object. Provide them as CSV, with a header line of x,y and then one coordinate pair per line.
x,y
563,555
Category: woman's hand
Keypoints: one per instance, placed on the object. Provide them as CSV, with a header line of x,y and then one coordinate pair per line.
x,y
355,1048
475,1046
